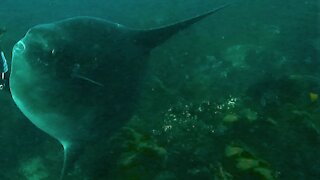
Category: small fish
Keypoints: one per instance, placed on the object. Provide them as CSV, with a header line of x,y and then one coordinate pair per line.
x,y
3,71
3,63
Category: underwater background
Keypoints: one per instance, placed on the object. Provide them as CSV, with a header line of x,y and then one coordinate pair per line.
x,y
235,96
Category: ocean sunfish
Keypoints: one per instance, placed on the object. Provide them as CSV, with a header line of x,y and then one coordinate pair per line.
x,y
78,79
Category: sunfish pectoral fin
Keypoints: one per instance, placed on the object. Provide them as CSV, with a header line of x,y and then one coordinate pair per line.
x,y
87,79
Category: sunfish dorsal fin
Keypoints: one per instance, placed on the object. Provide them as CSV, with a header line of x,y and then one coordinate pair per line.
x,y
155,36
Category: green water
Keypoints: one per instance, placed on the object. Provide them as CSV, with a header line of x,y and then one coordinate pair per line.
x,y
232,97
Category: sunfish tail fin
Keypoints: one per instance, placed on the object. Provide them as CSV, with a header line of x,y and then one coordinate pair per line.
x,y
153,37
